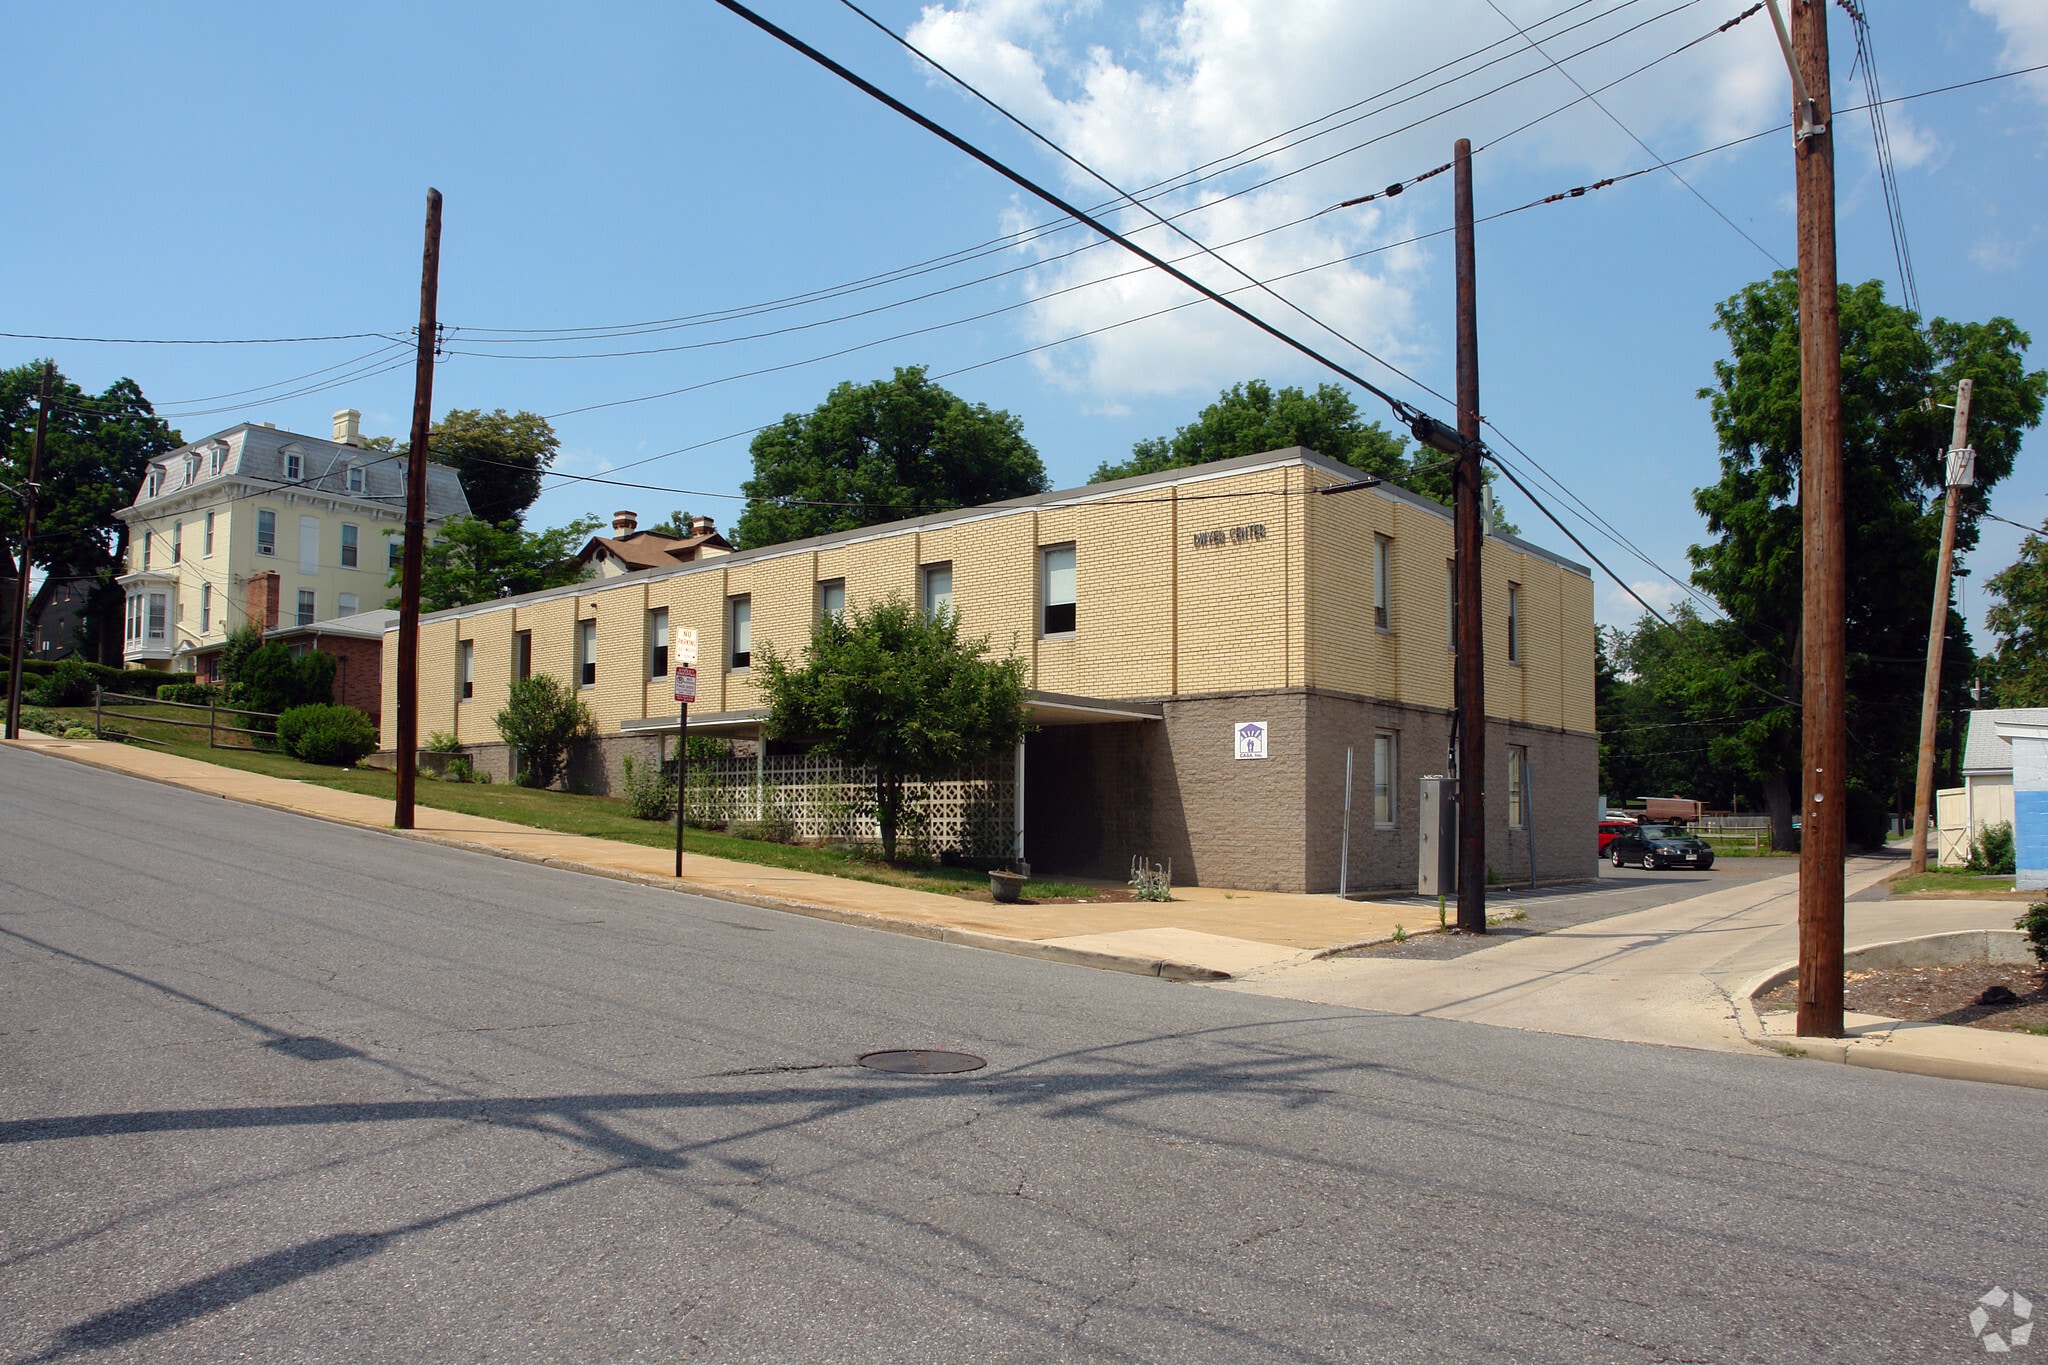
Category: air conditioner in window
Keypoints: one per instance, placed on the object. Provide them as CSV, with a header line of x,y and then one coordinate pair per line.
x,y
266,549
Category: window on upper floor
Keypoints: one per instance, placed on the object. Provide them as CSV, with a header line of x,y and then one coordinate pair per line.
x,y
192,467
347,604
742,632
350,553
657,642
1514,623
177,542
219,459
355,477
156,480
586,653
1382,582
206,608
394,552
938,589
294,466
147,536
305,606
207,539
465,669
832,600
266,531
1056,589
522,655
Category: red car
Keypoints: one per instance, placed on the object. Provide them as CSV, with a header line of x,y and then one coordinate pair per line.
x,y
1610,828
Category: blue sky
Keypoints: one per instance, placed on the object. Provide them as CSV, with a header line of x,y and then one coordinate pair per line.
x,y
259,171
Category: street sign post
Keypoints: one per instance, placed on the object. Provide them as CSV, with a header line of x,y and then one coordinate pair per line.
x,y
686,692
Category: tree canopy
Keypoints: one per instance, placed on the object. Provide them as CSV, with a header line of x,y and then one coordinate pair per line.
x,y
1252,417
473,560
1893,471
499,457
95,451
2018,617
889,688
881,451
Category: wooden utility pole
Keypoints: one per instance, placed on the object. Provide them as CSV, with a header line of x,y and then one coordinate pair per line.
x,y
1824,699
1961,474
407,741
18,636
1470,666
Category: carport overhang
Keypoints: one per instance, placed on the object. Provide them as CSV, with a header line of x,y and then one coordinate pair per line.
x,y
1042,708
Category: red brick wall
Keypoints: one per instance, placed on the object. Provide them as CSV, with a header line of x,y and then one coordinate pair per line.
x,y
262,597
358,672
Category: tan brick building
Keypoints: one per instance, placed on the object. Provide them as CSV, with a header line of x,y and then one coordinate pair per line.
x,y
1155,616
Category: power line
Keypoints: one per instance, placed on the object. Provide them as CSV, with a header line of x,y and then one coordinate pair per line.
x,y
204,341
1887,171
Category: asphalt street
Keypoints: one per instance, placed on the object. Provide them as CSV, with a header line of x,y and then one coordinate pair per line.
x,y
278,1090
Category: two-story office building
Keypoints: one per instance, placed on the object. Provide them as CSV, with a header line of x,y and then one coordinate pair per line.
x,y
1203,648
258,523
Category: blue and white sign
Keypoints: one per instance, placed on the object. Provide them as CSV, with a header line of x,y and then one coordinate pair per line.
x,y
1249,739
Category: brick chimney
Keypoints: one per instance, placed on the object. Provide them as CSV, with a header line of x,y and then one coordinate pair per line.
x,y
703,526
348,427
263,595
625,523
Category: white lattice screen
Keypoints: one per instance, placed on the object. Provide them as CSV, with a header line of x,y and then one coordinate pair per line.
x,y
972,814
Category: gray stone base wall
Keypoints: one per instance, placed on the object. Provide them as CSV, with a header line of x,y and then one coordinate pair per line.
x,y
593,764
1096,795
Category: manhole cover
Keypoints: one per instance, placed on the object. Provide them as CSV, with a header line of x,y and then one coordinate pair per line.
x,y
919,1061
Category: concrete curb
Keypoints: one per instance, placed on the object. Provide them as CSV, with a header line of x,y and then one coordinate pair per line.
x,y
1870,1046
1164,968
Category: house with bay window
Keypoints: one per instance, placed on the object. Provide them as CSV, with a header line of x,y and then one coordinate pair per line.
x,y
258,524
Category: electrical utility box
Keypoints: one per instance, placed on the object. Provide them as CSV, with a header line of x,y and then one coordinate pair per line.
x,y
1438,875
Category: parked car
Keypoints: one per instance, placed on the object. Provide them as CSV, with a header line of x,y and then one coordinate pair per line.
x,y
1659,846
1610,828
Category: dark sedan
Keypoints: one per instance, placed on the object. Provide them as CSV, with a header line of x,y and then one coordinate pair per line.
x,y
1659,846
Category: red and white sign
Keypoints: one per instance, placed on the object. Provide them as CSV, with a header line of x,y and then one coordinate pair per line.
x,y
686,645
686,683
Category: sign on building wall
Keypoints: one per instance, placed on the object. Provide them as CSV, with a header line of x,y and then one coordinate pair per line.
x,y
686,645
1249,737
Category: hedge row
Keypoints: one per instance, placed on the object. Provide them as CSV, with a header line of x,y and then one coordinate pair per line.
x,y
135,682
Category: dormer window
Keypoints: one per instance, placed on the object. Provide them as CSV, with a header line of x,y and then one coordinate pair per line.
x,y
294,466
192,468
220,457
355,477
156,480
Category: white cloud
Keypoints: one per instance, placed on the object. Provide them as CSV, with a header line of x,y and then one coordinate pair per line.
x,y
586,462
2024,26
1198,80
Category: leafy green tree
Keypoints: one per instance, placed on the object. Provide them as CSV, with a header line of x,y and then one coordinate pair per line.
x,y
1253,417
2018,616
894,690
877,452
1892,487
499,457
473,560
677,525
540,719
272,681
96,450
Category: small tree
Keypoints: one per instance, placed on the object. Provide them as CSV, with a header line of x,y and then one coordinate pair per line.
x,y
539,721
271,680
235,650
900,692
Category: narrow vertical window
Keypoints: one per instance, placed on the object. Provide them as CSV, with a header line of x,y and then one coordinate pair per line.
x,y
1056,586
266,531
1383,780
832,599
147,536
1382,574
1514,623
465,669
742,632
1451,576
1518,786
159,607
205,608
206,547
294,466
657,642
938,589
177,542
586,653
351,552
522,655
305,606
394,551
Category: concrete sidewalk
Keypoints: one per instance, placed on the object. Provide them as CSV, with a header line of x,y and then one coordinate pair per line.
x,y
1681,975
1203,934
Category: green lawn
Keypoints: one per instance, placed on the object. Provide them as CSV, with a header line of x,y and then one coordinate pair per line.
x,y
600,817
1952,883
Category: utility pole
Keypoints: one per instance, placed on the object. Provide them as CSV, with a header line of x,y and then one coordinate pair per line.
x,y
1824,699
1962,472
1469,534
30,491
407,742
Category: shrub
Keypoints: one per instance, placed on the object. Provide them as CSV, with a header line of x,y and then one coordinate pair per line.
x,y
650,793
235,650
42,722
79,732
457,769
273,681
70,683
442,742
2035,924
325,733
1150,881
1993,851
538,721
775,828
195,693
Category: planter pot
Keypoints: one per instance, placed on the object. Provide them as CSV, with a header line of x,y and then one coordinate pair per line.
x,y
1006,886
